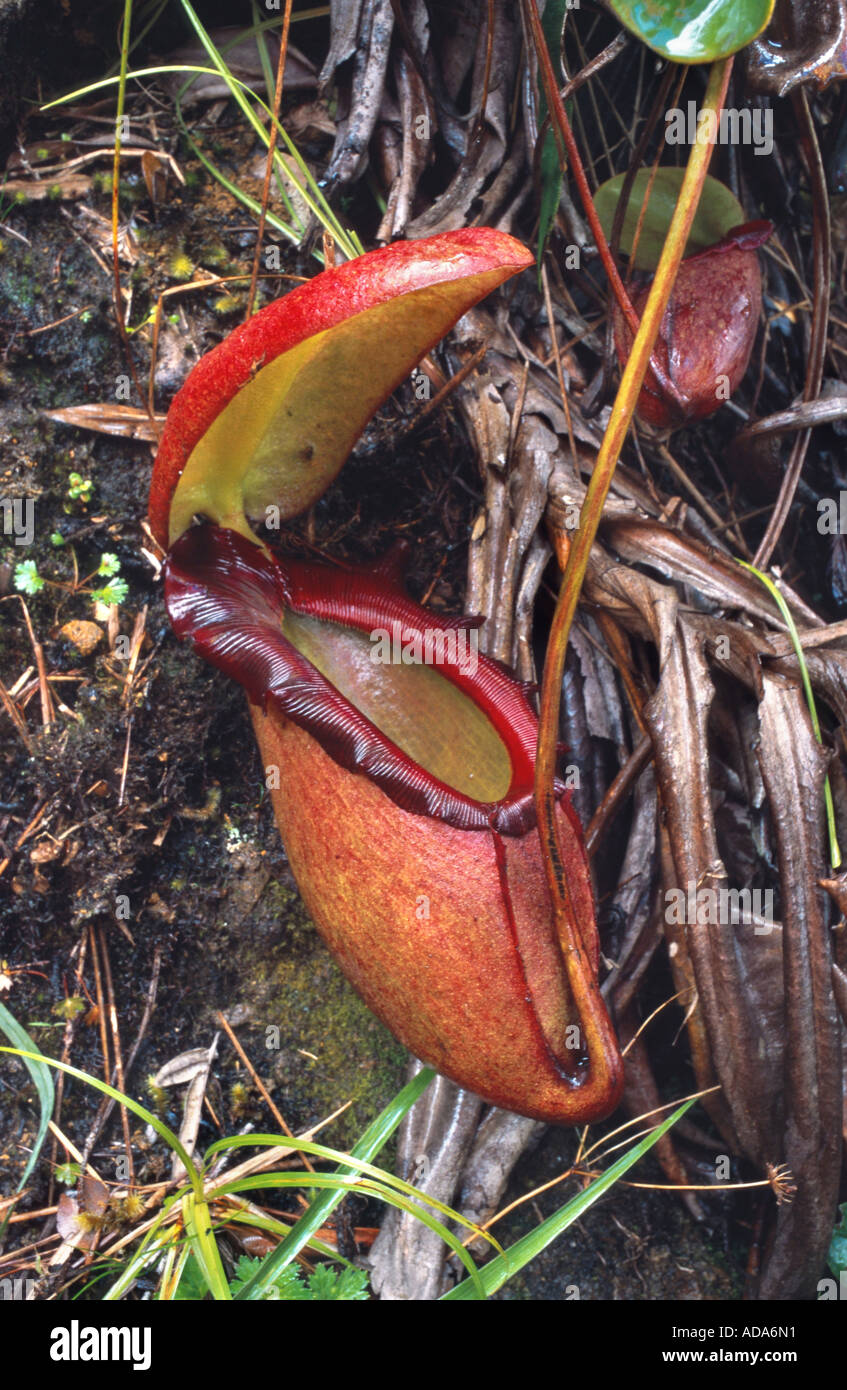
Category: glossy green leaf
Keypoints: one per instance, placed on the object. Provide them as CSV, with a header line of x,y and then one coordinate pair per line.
x,y
718,211
694,31
837,1257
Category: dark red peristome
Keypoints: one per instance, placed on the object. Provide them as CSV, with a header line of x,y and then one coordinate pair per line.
x,y
228,597
747,236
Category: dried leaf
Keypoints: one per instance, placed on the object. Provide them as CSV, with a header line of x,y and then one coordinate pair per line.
x,y
486,155
45,851
78,1220
793,768
193,1107
107,418
370,65
344,19
93,1194
60,187
155,171
744,1050
807,42
243,60
182,1069
713,575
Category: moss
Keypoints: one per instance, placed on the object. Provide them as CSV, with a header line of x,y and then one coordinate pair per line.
x,y
288,908
354,1058
180,266
228,304
316,1044
214,253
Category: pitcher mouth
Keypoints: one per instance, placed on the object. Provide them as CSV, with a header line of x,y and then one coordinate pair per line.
x,y
448,734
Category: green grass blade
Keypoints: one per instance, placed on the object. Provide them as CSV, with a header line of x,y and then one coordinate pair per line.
x,y
499,1270
102,82
198,1228
42,1080
309,191
264,56
288,230
357,1165
143,1257
338,1187
347,241
149,1118
373,1139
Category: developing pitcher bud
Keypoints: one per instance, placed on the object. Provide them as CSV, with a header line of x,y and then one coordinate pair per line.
x,y
708,330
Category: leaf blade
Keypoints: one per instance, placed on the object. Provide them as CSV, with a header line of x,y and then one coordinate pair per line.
x,y
690,31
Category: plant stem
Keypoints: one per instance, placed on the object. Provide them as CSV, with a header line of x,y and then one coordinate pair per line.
x,y
569,152
269,167
116,172
604,1073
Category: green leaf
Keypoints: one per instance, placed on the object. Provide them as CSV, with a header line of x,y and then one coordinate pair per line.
x,y
109,564
68,1007
192,1287
68,1174
40,1074
27,578
552,23
115,592
198,1227
504,1267
347,1284
288,1285
837,1258
323,1285
551,190
373,1139
694,31
718,211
